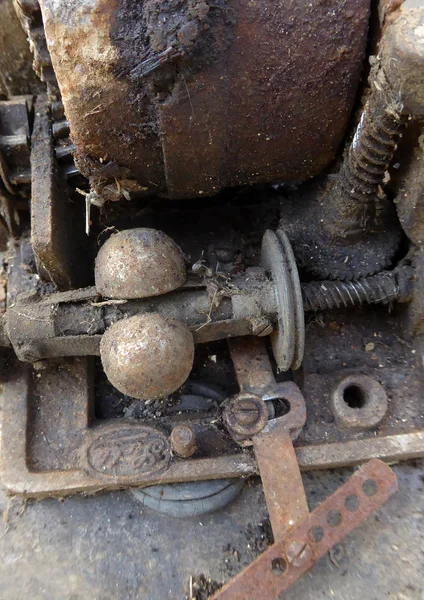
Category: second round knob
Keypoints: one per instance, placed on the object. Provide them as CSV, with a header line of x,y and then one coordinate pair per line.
x,y
147,356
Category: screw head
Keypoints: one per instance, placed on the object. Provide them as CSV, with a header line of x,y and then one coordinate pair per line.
x,y
299,554
246,412
246,415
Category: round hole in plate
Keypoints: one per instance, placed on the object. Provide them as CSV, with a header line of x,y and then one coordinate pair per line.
x,y
334,518
278,566
370,487
351,502
282,407
355,396
316,533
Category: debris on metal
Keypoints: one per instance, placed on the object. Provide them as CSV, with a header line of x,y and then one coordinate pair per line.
x,y
200,194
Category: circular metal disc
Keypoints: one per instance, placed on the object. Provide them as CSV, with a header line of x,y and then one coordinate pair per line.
x,y
274,261
190,499
299,314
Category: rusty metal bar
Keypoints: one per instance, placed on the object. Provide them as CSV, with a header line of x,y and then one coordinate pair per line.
x,y
251,364
284,562
284,492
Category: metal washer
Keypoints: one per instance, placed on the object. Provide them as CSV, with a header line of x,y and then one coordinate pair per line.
x,y
288,337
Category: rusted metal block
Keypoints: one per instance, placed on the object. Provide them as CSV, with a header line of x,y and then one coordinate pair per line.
x,y
40,458
205,95
60,249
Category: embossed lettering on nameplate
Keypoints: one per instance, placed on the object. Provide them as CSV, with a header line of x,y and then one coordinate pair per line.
x,y
128,451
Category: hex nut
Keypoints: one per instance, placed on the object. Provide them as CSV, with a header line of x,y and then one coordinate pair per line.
x,y
139,263
359,402
147,356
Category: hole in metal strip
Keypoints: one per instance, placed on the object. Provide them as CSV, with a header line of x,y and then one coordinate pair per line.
x,y
278,566
370,487
316,533
334,518
352,503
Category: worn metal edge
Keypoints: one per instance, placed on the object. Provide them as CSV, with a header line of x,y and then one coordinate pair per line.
x,y
17,478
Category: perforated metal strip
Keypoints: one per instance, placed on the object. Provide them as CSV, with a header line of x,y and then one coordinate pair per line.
x,y
283,563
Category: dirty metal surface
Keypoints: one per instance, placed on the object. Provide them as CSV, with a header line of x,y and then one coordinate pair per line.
x,y
147,356
51,460
273,447
37,467
16,117
256,91
16,74
139,263
61,252
284,562
280,474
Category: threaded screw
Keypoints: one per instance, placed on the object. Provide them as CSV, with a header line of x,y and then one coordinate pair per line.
x,y
371,152
378,289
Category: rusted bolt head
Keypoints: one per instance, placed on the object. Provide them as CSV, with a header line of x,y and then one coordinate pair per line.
x,y
246,414
299,554
147,356
359,402
139,263
183,441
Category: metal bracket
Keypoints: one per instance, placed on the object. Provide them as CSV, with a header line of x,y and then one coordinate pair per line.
x,y
300,538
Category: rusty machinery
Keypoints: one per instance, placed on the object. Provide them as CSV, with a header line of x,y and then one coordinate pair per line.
x,y
189,172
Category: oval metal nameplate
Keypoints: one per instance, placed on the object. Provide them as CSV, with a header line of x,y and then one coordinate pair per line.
x,y
128,451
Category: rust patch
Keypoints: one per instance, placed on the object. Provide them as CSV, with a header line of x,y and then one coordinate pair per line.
x,y
191,97
283,563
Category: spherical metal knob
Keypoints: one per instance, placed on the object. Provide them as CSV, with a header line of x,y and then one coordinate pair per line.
x,y
147,356
139,263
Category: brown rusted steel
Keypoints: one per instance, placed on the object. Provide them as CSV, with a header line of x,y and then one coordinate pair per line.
x,y
34,467
61,254
272,443
16,74
245,415
284,562
359,402
208,94
284,492
183,441
251,364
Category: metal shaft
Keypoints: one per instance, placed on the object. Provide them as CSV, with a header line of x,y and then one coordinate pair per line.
x,y
72,323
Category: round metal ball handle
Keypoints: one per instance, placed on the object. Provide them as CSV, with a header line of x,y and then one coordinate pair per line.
x,y
139,263
147,356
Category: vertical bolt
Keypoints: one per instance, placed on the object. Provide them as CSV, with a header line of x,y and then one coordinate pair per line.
x,y
183,441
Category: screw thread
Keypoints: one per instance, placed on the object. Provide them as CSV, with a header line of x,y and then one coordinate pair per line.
x,y
370,153
378,289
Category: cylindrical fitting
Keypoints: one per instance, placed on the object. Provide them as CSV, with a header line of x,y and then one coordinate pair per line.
x,y
183,441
